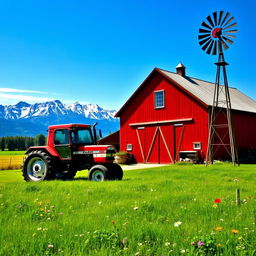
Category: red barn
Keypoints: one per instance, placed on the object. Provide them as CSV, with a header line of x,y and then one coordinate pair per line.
x,y
167,118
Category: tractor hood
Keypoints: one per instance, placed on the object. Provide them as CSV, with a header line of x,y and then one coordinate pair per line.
x,y
101,153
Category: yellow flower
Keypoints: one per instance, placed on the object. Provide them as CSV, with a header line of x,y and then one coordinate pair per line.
x,y
234,231
218,228
39,203
219,245
215,206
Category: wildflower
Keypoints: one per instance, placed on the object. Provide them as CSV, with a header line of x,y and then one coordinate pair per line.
x,y
39,203
177,223
167,243
240,238
200,243
50,246
135,208
217,200
215,206
182,251
218,245
234,231
124,240
218,228
139,244
39,229
193,243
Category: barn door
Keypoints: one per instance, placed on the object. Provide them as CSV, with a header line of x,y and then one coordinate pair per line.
x,y
158,149
178,133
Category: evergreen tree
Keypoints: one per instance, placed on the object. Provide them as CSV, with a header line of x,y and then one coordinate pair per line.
x,y
2,143
40,140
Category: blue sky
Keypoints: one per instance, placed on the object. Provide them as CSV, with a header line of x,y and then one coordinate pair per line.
x,y
101,51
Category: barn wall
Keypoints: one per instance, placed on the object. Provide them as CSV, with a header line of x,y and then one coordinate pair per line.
x,y
178,105
245,131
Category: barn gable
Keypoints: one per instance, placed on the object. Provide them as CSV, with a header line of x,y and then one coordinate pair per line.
x,y
200,90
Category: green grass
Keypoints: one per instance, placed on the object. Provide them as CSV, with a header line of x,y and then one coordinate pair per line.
x,y
12,153
135,216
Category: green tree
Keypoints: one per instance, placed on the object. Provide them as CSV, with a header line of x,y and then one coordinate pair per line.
x,y
2,143
40,140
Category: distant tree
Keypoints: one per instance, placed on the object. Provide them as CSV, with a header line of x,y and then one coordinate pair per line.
x,y
40,140
2,143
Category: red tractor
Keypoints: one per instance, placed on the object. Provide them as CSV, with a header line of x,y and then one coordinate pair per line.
x,y
71,148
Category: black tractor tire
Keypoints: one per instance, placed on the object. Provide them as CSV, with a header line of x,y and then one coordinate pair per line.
x,y
115,171
38,166
98,173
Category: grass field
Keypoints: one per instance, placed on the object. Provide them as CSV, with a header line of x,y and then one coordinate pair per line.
x,y
11,159
173,210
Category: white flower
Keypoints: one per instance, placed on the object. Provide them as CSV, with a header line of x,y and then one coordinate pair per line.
x,y
135,208
177,223
50,246
167,243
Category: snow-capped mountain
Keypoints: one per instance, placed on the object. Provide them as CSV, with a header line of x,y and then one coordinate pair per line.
x,y
23,110
44,114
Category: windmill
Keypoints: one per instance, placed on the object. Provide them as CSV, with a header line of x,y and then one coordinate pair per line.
x,y
215,36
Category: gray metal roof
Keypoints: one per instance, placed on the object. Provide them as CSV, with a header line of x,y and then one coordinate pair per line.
x,y
204,91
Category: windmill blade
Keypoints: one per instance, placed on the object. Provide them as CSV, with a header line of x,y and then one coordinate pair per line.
x,y
230,26
206,45
204,24
231,31
225,45
230,36
220,17
202,36
204,41
228,40
209,49
214,51
227,15
210,20
215,18
230,20
204,31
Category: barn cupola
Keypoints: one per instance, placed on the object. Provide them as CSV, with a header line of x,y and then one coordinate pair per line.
x,y
181,69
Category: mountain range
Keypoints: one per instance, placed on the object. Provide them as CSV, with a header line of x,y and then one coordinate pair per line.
x,y
25,119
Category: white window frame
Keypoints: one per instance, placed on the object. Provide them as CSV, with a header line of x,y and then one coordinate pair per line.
x,y
155,93
128,147
197,148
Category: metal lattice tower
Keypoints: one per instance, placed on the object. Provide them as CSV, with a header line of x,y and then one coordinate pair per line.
x,y
214,35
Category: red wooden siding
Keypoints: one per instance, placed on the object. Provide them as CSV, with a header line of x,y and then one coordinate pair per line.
x,y
178,105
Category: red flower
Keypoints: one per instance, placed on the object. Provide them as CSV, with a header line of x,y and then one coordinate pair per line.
x,y
217,201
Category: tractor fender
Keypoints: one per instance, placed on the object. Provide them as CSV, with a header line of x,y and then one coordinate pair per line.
x,y
50,150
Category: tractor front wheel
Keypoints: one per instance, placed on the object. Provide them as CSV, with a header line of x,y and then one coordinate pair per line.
x,y
37,166
98,173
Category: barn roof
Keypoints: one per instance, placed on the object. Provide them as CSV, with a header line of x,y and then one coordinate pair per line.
x,y
202,91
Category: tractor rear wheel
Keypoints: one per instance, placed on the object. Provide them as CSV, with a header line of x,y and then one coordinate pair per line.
x,y
98,173
38,166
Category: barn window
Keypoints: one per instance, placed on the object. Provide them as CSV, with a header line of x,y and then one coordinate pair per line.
x,y
159,99
196,145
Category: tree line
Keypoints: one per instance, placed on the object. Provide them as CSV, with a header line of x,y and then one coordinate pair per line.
x,y
21,143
